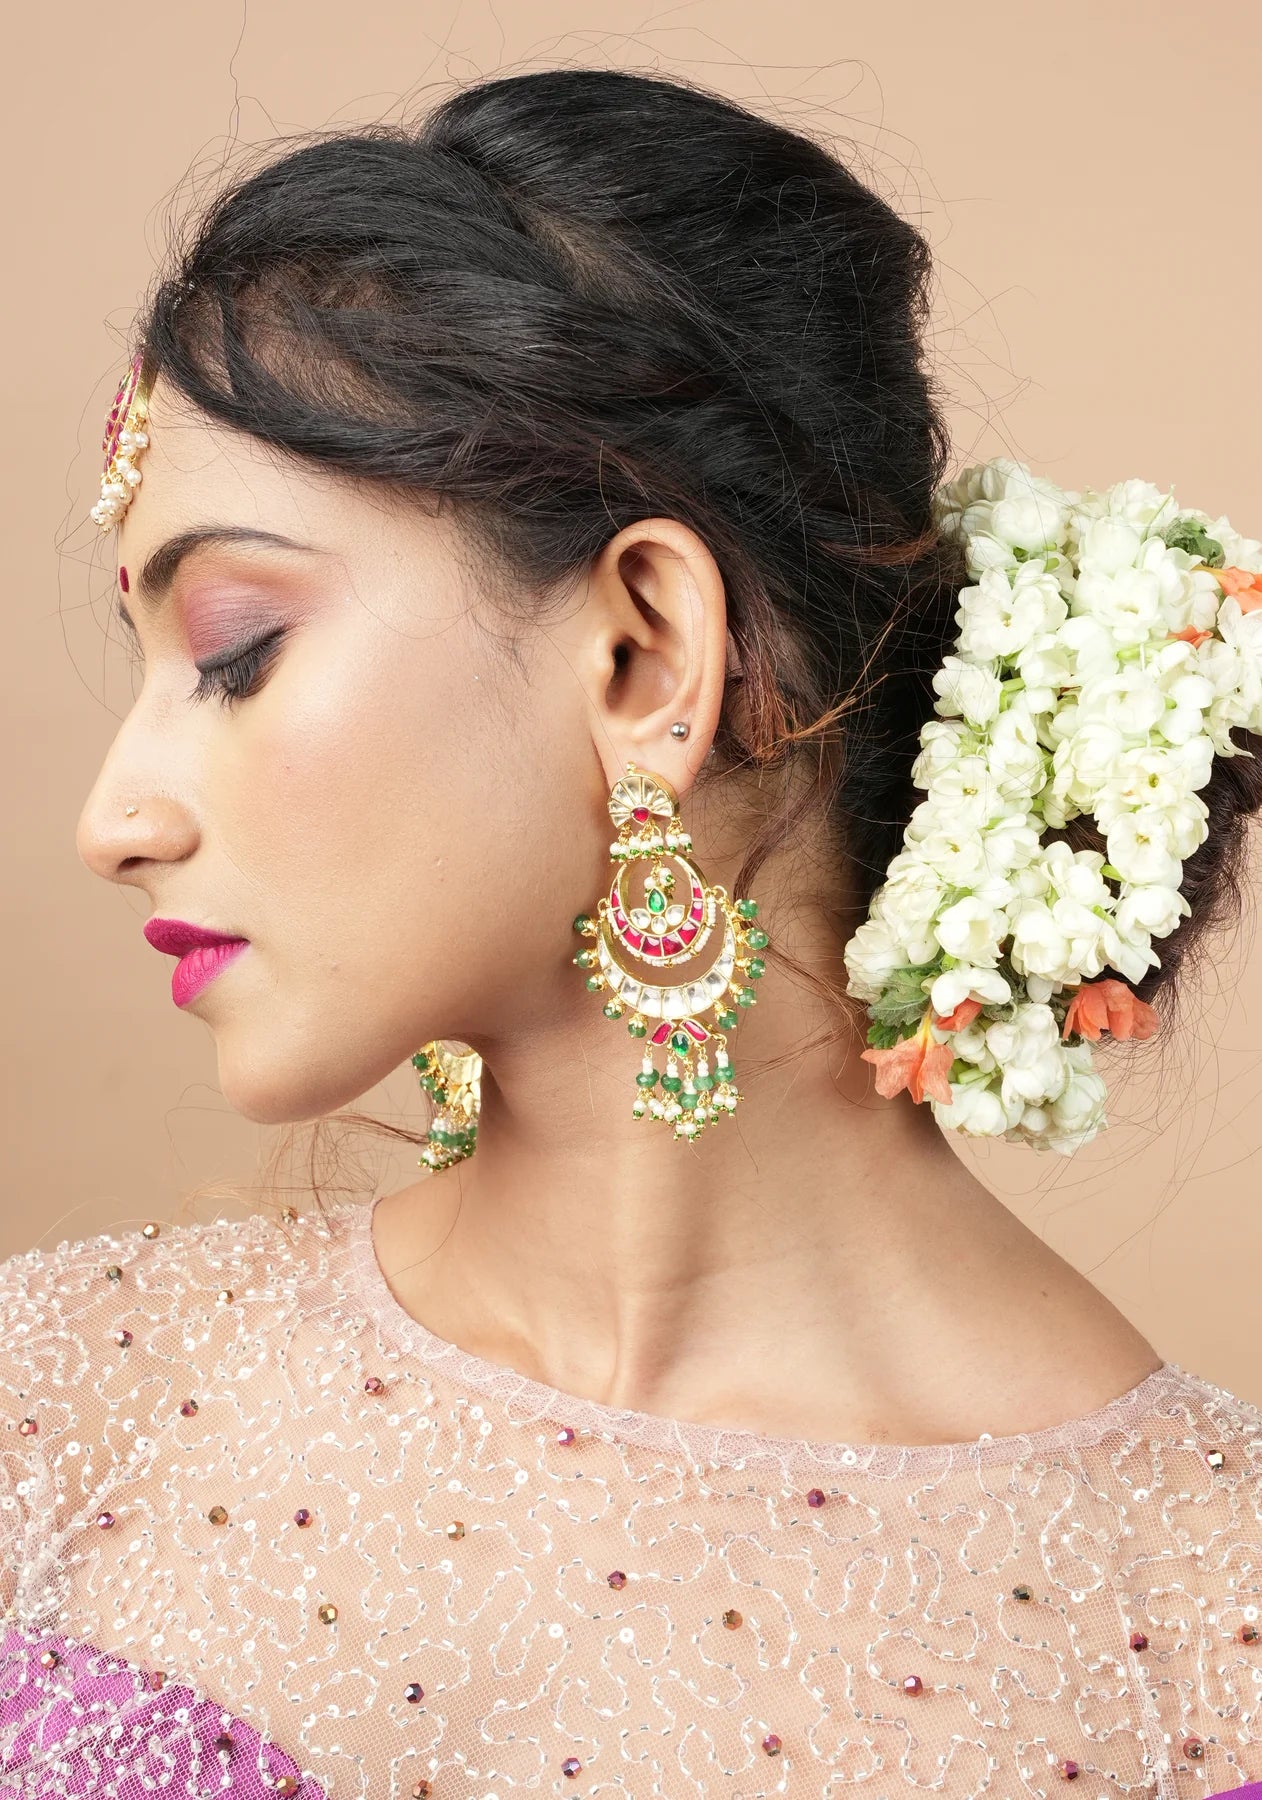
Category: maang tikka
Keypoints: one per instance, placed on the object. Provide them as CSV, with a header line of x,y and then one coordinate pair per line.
x,y
658,932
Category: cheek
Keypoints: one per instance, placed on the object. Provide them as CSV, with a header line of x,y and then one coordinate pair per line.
x,y
324,759
411,827
403,808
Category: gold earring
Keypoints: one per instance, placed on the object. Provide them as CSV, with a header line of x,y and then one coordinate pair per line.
x,y
453,1079
668,933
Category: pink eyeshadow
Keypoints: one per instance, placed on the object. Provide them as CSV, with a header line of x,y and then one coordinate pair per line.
x,y
214,620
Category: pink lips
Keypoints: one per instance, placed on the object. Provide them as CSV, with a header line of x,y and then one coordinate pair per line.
x,y
202,954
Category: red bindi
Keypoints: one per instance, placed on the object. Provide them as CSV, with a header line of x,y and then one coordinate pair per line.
x,y
122,578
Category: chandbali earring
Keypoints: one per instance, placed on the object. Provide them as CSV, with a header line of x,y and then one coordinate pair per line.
x,y
668,933
661,933
453,1079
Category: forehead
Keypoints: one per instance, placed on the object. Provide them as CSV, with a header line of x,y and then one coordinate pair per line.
x,y
198,475
196,471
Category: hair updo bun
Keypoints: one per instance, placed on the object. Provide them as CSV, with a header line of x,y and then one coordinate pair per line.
x,y
573,298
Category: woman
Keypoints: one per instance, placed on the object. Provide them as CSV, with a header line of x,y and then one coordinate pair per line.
x,y
687,1428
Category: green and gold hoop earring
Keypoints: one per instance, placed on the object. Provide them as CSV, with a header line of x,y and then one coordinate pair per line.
x,y
453,1079
663,932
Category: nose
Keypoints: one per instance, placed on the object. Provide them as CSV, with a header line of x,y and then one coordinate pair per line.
x,y
123,830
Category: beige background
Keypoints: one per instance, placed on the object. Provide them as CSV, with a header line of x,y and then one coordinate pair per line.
x,y
1088,174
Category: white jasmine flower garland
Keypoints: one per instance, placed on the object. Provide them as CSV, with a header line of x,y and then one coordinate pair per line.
x,y
1107,647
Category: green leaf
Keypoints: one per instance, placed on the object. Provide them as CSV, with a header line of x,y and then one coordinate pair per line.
x,y
884,1037
904,1000
1190,535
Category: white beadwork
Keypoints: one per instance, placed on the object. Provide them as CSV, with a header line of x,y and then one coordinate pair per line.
x,y
454,1543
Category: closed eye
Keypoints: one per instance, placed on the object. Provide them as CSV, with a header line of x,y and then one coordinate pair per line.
x,y
236,674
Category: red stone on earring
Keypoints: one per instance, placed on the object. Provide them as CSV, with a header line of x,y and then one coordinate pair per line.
x,y
640,814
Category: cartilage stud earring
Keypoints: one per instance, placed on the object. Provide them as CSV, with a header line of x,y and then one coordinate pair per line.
x,y
667,929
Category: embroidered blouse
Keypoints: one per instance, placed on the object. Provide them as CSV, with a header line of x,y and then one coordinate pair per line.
x,y
261,1532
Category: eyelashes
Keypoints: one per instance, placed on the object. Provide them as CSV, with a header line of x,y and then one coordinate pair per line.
x,y
238,673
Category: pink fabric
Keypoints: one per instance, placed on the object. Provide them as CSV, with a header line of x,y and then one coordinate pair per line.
x,y
61,1726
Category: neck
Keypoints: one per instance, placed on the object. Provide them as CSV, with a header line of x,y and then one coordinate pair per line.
x,y
820,1264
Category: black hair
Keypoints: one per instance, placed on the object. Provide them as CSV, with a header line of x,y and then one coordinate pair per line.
x,y
572,298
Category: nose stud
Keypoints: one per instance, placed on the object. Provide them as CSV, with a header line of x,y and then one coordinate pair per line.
x,y
131,811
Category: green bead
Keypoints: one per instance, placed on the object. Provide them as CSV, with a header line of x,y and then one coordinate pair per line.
x,y
747,908
420,1060
587,959
757,940
594,983
746,997
657,900
614,1009
647,1078
672,1083
756,968
688,1101
638,1028
681,1042
727,1019
584,923
704,1081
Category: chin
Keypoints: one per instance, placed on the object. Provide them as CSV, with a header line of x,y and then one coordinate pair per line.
x,y
288,1094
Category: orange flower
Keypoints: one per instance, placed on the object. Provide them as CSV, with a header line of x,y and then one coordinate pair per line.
x,y
1244,585
963,1015
1109,1006
1190,635
918,1064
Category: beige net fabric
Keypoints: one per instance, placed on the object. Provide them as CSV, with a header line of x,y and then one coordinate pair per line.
x,y
593,1601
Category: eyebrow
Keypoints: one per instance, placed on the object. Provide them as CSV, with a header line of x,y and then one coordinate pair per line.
x,y
160,569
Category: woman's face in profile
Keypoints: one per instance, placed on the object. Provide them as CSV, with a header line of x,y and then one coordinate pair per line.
x,y
375,793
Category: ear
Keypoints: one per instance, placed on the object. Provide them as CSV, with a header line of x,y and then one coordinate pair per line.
x,y
649,645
